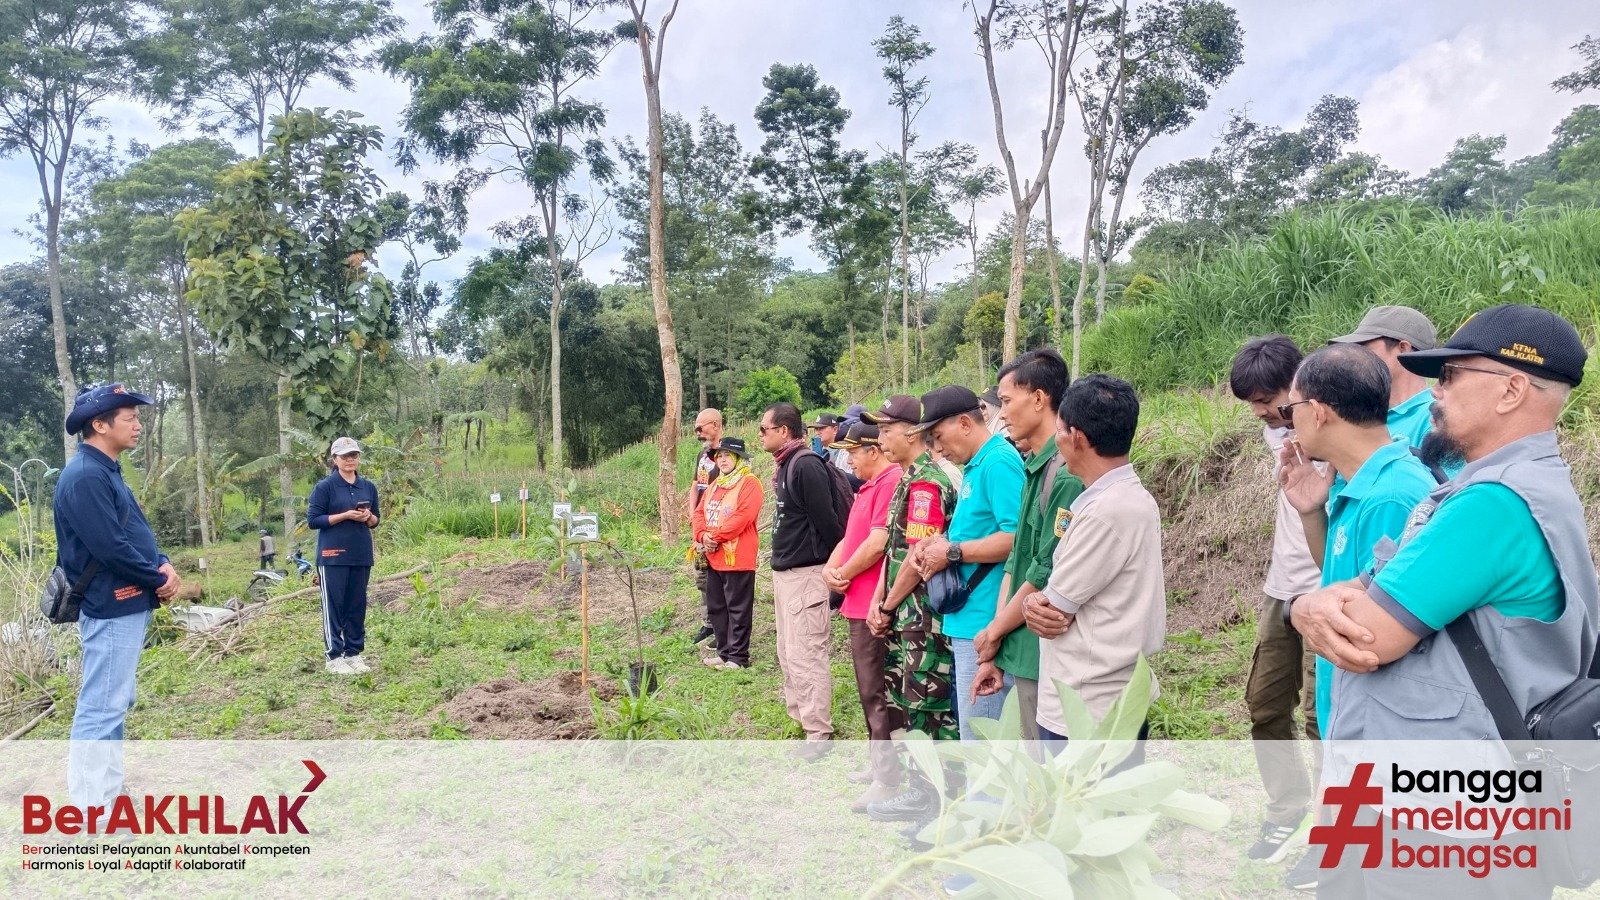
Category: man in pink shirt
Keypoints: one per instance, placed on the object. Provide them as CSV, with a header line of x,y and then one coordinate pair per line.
x,y
855,569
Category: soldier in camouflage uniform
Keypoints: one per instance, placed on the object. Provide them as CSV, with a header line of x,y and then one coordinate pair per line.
x,y
920,667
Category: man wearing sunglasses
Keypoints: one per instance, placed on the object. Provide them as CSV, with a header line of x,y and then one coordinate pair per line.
x,y
1339,405
1502,545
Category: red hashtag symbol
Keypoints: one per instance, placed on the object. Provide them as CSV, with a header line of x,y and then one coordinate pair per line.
x,y
1344,831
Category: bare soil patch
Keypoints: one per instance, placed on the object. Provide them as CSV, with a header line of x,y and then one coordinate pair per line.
x,y
554,708
1218,544
534,584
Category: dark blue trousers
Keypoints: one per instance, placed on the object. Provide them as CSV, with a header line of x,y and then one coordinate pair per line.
x,y
344,609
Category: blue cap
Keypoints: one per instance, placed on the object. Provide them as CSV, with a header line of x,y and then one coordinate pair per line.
x,y
98,399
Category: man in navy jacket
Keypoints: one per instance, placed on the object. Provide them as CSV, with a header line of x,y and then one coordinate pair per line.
x,y
99,526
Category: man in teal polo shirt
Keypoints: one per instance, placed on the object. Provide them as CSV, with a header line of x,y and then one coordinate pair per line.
x,y
1338,406
1389,331
1008,653
982,532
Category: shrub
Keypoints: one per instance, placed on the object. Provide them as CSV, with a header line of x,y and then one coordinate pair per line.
x,y
764,387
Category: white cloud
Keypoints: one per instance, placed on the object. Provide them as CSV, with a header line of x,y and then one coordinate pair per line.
x,y
1425,73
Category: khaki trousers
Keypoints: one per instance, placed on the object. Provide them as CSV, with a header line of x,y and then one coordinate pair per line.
x,y
800,601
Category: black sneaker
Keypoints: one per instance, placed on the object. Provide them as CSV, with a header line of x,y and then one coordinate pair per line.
x,y
910,805
1303,875
704,632
1277,840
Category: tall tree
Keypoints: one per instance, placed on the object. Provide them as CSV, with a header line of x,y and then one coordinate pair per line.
x,y
1056,28
650,56
497,84
133,225
1255,173
59,59
428,235
278,269
717,260
1472,178
901,51
234,64
1588,77
1153,71
813,183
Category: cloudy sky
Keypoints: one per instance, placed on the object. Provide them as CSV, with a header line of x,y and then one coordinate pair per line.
x,y
1424,72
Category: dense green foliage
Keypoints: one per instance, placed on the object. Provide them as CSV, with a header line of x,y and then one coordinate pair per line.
x,y
1316,272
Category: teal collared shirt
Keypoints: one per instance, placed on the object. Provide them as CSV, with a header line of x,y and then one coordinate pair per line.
x,y
1413,419
1361,512
990,501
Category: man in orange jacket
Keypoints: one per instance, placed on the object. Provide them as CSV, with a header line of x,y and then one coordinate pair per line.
x,y
725,531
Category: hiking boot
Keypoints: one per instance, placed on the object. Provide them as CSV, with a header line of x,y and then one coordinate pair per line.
x,y
1277,840
357,665
340,666
912,834
910,805
873,794
1303,875
811,750
715,662
862,776
704,632
729,665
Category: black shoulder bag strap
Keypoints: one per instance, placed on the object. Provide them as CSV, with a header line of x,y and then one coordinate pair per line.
x,y
94,567
1487,679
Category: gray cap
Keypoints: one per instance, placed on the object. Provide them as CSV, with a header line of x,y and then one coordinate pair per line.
x,y
1400,323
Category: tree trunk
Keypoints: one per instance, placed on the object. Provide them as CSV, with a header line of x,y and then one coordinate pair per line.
x,y
201,450
285,476
667,509
1019,260
557,450
58,311
1052,265
905,252
700,375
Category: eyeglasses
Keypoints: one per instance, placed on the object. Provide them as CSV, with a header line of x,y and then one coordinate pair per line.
x,y
766,428
1286,411
1445,377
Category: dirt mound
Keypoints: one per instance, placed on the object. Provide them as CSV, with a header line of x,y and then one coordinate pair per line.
x,y
532,584
555,708
394,596
1218,544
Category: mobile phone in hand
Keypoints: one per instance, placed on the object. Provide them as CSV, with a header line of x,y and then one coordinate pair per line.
x,y
363,505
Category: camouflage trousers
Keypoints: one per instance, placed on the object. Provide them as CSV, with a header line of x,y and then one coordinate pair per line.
x,y
920,668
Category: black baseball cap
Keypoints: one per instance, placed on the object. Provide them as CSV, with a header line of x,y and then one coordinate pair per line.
x,y
942,403
898,408
824,420
861,434
1535,340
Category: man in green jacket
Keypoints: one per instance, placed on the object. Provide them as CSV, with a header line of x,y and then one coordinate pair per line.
x,y
1008,653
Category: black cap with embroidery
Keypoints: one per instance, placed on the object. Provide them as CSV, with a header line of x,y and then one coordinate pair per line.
x,y
898,408
1535,340
860,434
942,403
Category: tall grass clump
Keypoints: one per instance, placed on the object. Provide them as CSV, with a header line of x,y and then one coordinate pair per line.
x,y
1319,271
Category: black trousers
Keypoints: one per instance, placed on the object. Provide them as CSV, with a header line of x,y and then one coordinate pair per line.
x,y
344,609
730,604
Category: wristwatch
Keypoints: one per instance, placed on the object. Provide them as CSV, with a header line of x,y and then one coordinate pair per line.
x,y
953,554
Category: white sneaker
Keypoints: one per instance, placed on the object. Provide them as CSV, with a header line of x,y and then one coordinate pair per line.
x,y
340,666
358,665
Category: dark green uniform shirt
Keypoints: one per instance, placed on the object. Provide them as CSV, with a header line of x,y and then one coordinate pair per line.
x,y
1039,528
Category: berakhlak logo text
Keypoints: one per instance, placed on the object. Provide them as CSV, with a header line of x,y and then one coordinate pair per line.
x,y
172,814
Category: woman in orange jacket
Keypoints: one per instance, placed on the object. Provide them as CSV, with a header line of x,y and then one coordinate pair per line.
x,y
725,531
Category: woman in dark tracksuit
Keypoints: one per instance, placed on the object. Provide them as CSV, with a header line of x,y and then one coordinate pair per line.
x,y
344,509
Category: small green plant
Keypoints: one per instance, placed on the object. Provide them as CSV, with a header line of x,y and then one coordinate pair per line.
x,y
1069,825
